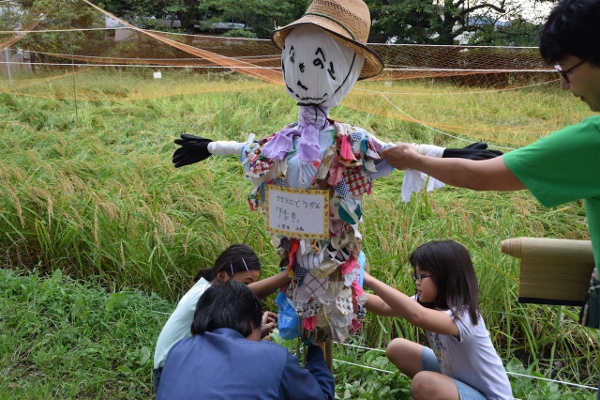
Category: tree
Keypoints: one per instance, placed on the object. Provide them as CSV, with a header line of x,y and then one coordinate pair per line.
x,y
259,15
436,21
518,32
52,15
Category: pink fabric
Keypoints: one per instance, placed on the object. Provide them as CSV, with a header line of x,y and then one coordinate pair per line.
x,y
336,171
356,288
309,323
294,244
355,325
346,149
348,265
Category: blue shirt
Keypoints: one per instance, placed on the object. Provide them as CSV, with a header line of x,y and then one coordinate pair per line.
x,y
222,364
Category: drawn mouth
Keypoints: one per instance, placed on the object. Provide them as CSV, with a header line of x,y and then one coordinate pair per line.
x,y
312,98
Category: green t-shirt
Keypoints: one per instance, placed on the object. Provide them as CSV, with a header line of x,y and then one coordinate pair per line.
x,y
564,166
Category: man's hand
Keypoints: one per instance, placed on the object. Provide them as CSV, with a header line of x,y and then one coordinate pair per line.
x,y
474,151
269,322
400,156
193,149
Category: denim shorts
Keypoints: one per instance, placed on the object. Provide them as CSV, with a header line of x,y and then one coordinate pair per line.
x,y
465,392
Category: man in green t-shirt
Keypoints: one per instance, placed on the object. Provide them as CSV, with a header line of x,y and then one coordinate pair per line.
x,y
563,166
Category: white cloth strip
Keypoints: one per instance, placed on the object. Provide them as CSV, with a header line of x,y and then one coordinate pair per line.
x,y
222,148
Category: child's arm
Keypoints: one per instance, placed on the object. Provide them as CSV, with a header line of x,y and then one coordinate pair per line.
x,y
377,306
405,307
269,285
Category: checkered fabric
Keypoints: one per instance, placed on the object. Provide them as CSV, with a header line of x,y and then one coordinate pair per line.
x,y
357,181
259,168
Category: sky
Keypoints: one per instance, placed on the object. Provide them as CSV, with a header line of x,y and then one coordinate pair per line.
x,y
533,10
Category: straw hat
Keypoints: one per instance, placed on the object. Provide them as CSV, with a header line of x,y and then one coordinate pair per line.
x,y
347,21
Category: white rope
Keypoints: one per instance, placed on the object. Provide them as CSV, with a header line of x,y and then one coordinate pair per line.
x,y
507,372
359,347
552,380
364,366
482,70
212,38
160,312
455,93
139,66
429,127
64,30
462,47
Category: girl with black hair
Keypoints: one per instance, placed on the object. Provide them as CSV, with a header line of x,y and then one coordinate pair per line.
x,y
238,262
460,362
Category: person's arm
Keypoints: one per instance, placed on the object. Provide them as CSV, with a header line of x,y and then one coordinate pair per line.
x,y
407,308
377,306
269,285
313,382
492,174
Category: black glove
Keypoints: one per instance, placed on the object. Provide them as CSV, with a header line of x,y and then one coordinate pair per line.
x,y
474,151
193,149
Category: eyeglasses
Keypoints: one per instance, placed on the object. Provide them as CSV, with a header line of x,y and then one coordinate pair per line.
x,y
564,73
419,277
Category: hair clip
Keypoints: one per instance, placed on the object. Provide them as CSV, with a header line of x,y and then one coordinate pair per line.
x,y
231,266
245,265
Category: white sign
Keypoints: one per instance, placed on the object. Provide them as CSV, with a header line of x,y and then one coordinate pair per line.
x,y
157,75
297,213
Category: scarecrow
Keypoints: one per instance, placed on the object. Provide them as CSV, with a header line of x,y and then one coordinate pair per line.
x,y
310,177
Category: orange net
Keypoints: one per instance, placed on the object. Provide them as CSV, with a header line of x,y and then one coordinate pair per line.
x,y
77,51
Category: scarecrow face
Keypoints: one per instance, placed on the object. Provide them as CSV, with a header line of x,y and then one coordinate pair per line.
x,y
318,69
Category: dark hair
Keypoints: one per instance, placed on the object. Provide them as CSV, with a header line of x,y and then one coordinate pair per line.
x,y
236,258
451,269
572,28
230,305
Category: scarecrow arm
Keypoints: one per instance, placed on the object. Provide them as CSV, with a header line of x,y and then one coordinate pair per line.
x,y
414,180
474,151
195,149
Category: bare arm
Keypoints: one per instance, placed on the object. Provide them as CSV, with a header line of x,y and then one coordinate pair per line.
x,y
377,306
492,174
405,307
269,285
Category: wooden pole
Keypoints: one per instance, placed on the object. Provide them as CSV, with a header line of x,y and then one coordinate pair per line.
x,y
327,348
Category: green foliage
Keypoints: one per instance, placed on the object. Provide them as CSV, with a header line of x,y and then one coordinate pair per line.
x,y
69,339
57,15
366,380
426,22
240,33
260,15
543,388
519,33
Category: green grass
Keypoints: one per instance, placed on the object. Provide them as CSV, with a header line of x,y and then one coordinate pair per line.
x,y
65,339
88,189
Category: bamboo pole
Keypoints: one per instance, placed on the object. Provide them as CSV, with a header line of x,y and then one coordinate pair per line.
x,y
327,348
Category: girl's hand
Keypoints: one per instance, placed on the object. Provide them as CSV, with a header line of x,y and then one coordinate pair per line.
x,y
269,322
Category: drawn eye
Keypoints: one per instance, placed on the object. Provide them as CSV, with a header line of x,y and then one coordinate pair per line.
x,y
318,63
331,71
